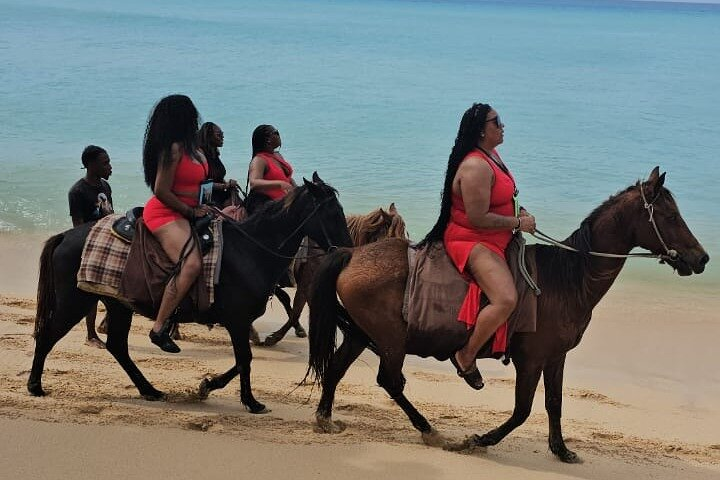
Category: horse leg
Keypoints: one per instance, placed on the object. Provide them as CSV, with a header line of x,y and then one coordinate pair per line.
x,y
208,384
118,329
526,381
66,315
349,351
553,378
390,378
293,317
240,336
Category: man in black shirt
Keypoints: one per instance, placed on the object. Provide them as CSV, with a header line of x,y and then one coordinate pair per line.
x,y
90,199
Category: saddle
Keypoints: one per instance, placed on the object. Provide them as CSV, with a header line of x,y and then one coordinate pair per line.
x,y
124,228
435,290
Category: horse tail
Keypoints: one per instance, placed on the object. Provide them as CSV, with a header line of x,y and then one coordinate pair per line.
x,y
324,311
46,285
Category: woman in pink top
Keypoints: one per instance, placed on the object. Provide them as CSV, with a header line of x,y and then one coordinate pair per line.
x,y
269,175
477,219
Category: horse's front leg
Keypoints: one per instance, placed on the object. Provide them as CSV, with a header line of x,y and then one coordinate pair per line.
x,y
553,378
240,336
526,381
118,329
216,382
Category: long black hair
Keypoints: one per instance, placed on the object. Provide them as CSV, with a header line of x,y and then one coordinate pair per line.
x,y
216,169
173,120
471,125
260,137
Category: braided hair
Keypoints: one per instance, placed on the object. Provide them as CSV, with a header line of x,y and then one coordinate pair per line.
x,y
206,142
260,137
471,125
173,120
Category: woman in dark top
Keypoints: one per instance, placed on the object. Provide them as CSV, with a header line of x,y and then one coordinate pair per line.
x,y
210,139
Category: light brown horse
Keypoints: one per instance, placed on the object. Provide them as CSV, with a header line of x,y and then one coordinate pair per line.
x,y
370,281
371,227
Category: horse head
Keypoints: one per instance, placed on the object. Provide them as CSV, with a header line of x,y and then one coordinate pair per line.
x,y
664,232
325,219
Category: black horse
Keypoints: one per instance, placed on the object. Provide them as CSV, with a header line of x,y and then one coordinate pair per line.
x,y
255,254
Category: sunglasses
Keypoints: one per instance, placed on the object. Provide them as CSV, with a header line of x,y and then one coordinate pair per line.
x,y
497,121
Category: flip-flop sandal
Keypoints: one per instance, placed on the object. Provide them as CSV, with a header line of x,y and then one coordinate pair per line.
x,y
472,376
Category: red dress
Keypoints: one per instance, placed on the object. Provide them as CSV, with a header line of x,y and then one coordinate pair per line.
x,y
188,176
276,168
460,238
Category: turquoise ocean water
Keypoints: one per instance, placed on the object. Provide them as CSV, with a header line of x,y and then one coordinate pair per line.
x,y
369,94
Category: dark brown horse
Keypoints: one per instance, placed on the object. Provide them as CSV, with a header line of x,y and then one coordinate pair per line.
x,y
370,281
371,227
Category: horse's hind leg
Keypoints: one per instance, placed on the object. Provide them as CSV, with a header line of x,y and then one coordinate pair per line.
x,y
349,351
553,377
66,315
118,329
278,335
215,382
390,377
527,378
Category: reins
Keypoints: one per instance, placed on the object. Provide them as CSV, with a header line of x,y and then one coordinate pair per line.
x,y
668,255
238,226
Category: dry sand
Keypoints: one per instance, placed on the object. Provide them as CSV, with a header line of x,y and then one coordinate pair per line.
x,y
640,402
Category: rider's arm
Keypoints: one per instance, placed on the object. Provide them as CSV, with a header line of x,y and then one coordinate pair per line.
x,y
475,179
164,181
256,173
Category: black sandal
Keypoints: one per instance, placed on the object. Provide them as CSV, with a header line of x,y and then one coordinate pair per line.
x,y
471,376
162,339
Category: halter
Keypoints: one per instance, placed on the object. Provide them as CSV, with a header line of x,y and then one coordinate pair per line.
x,y
668,255
233,223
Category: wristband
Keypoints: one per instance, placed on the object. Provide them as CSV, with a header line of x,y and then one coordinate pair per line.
x,y
516,229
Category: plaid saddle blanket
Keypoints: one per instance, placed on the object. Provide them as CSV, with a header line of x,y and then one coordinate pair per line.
x,y
105,255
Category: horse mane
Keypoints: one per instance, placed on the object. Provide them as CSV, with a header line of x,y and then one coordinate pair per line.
x,y
568,269
276,208
373,226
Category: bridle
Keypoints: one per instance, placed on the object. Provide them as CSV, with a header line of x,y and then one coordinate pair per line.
x,y
317,205
669,254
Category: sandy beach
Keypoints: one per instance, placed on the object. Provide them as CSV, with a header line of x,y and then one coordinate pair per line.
x,y
640,402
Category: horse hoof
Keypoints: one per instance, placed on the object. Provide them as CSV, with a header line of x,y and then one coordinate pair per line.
x,y
271,340
300,332
153,396
254,337
204,388
326,425
36,389
482,440
256,408
568,456
434,439
467,445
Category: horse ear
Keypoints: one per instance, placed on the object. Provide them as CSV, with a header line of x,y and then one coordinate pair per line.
x,y
387,218
316,178
392,208
655,182
314,190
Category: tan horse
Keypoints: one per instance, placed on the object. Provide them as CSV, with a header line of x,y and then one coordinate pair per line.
x,y
371,227
370,282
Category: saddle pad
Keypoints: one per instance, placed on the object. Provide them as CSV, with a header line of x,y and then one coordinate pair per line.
x,y
105,255
435,291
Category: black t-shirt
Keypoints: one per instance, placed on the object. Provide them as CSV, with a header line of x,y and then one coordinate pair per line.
x,y
89,202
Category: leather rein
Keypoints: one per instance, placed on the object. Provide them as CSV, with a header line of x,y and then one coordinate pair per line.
x,y
669,254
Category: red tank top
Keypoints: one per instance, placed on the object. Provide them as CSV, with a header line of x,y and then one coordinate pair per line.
x,y
276,168
188,177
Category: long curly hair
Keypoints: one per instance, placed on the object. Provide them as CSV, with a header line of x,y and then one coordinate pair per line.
x,y
206,142
471,125
174,119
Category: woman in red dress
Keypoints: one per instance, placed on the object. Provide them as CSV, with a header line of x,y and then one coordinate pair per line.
x,y
477,219
174,168
269,175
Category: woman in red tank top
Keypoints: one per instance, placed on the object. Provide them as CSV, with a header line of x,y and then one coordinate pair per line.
x,y
269,175
476,222
174,168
